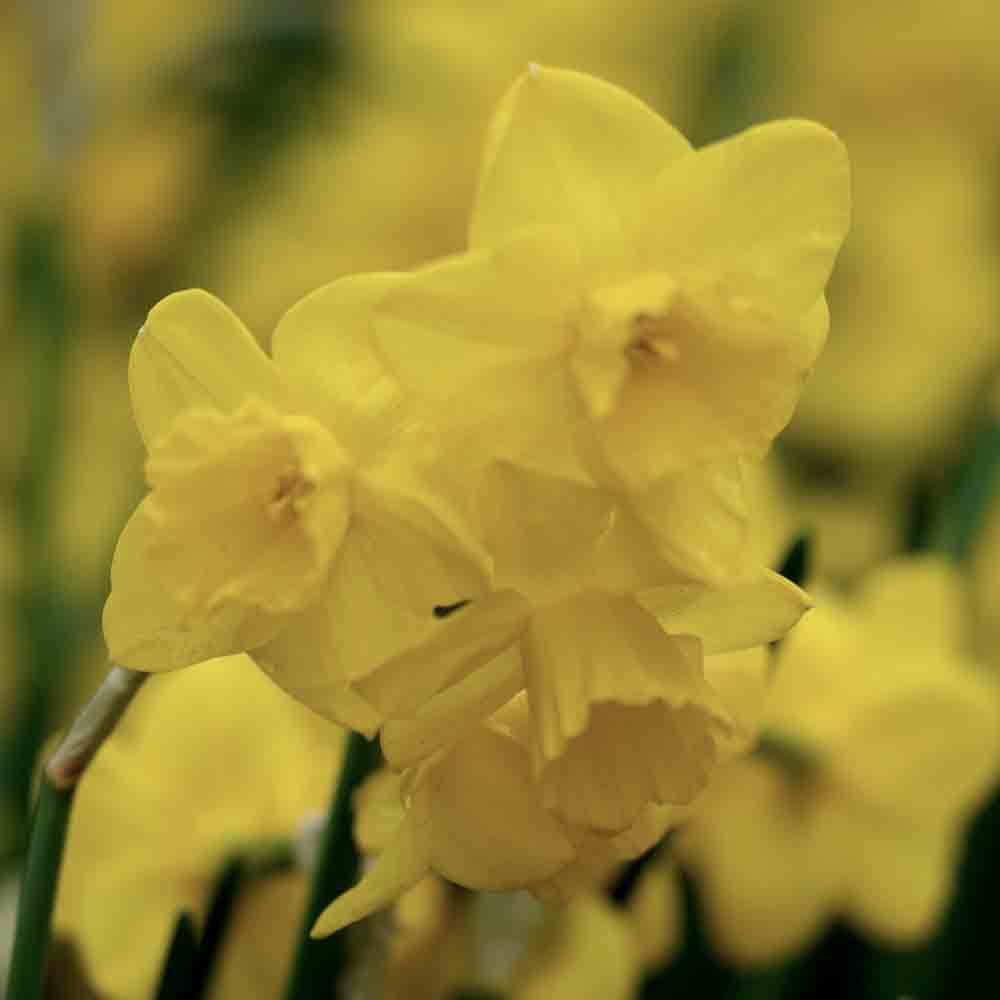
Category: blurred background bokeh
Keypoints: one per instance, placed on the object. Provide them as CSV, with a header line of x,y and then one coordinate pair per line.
x,y
261,148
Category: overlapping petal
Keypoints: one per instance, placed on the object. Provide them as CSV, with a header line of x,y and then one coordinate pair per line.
x,y
567,149
350,630
194,351
324,347
468,639
765,210
742,612
147,629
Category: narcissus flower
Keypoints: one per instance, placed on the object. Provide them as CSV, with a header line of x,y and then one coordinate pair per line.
x,y
606,641
473,812
473,815
898,742
297,509
152,825
661,303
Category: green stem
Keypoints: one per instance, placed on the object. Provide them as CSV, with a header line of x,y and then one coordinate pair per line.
x,y
319,963
38,893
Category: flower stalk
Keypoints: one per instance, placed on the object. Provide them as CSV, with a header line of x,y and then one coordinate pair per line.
x,y
38,891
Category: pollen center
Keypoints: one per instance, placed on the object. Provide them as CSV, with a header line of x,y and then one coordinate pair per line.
x,y
621,328
248,507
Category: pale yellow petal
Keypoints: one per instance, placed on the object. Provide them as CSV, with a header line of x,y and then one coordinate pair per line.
x,y
417,541
403,863
730,388
572,150
478,312
348,631
656,913
623,714
146,629
467,640
448,716
943,734
536,524
765,211
697,521
741,678
902,878
743,612
917,601
378,809
324,346
489,828
766,885
193,351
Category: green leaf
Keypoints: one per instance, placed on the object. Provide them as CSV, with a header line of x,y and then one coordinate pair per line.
x,y
968,503
220,910
180,962
797,560
319,963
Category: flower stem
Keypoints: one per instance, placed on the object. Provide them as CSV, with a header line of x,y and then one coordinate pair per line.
x,y
48,831
92,726
38,891
319,963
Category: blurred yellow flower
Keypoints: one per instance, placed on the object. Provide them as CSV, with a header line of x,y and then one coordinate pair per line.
x,y
288,498
900,740
662,302
186,780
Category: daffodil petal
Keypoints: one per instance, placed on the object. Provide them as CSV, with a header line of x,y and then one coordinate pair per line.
x,y
449,715
489,828
418,543
887,756
479,311
744,612
766,210
378,809
467,640
324,346
146,629
567,149
697,520
919,601
902,878
767,886
741,678
622,712
193,351
403,863
535,523
349,630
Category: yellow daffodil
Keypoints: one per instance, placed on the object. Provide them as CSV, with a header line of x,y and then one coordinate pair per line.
x,y
662,303
607,643
296,509
185,780
897,741
472,813
449,815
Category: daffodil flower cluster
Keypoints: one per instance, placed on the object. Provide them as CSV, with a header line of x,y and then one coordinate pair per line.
x,y
542,440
